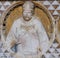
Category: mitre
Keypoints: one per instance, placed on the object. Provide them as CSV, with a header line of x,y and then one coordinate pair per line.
x,y
28,5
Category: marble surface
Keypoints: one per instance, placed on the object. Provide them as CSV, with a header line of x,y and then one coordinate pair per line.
x,y
54,8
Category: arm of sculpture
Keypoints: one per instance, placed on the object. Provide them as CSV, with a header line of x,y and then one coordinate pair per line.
x,y
43,38
11,39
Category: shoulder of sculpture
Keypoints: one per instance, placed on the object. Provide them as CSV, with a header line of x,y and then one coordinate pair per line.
x,y
18,21
36,19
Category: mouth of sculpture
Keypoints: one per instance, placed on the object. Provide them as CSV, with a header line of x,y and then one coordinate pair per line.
x,y
27,18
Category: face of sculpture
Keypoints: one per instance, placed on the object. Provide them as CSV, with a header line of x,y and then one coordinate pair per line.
x,y
28,11
27,15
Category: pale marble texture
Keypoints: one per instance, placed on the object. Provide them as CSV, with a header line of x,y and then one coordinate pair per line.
x,y
30,36
48,5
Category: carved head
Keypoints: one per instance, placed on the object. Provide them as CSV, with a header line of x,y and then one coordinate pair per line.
x,y
28,10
